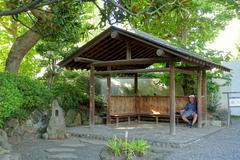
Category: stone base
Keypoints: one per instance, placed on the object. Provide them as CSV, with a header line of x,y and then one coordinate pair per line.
x,y
10,157
106,155
215,123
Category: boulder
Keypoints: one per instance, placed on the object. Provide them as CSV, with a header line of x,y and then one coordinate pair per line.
x,y
84,112
4,140
39,120
14,131
56,128
70,117
98,120
77,120
11,126
215,123
45,136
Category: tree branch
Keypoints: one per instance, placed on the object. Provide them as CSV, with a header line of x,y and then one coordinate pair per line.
x,y
31,5
20,9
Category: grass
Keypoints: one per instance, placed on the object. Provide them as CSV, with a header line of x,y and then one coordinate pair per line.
x,y
128,148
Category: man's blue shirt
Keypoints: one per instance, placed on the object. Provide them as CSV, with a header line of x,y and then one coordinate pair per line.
x,y
191,106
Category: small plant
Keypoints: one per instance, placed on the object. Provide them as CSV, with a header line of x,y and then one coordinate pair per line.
x,y
114,145
128,148
139,146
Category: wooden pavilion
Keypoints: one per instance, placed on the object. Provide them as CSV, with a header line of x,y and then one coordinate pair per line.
x,y
130,51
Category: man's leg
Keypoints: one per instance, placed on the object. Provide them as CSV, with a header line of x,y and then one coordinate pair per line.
x,y
194,118
185,119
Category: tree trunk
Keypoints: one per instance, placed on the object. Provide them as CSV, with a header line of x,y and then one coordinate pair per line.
x,y
20,48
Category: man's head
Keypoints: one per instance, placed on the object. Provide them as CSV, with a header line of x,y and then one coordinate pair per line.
x,y
191,98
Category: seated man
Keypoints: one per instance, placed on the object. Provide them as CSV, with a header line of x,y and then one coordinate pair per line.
x,y
190,110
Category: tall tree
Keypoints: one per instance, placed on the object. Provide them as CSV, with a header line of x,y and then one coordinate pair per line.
x,y
62,22
184,22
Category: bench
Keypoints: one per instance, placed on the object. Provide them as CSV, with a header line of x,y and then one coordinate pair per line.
x,y
117,117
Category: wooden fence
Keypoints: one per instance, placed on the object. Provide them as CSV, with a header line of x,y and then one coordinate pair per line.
x,y
120,105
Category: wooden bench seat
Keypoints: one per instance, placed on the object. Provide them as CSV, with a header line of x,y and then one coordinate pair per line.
x,y
118,116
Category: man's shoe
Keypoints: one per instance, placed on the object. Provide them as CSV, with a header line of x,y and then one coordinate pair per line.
x,y
189,125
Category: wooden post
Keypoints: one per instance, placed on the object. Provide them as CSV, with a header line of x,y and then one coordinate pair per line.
x,y
204,93
129,54
136,84
91,98
136,94
109,93
172,98
199,97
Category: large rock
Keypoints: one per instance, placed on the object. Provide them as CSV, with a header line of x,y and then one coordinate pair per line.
x,y
84,112
4,140
14,131
77,120
56,128
11,127
215,123
39,120
98,120
69,118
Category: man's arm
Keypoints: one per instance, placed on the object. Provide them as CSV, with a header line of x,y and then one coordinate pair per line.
x,y
184,109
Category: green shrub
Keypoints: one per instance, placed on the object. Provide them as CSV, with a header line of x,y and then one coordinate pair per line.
x,y
34,92
128,148
72,90
69,96
10,100
213,103
20,95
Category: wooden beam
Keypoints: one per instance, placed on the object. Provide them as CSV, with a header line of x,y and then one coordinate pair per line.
x,y
184,71
84,48
129,52
84,60
131,61
109,93
172,98
160,52
199,97
132,71
204,93
115,35
91,98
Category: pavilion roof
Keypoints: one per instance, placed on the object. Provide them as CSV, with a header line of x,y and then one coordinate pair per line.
x,y
110,45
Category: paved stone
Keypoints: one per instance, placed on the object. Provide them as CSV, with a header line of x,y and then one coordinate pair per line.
x,y
149,131
52,150
223,145
10,157
63,156
73,145
97,142
35,149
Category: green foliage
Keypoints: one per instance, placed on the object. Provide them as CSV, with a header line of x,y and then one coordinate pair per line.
x,y
128,148
20,95
72,90
10,99
213,103
115,145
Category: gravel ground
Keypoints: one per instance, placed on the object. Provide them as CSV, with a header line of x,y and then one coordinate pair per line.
x,y
224,145
35,149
